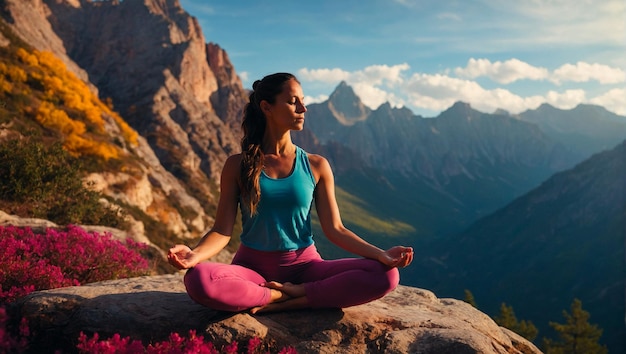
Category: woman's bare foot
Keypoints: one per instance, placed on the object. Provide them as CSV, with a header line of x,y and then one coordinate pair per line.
x,y
283,296
292,290
278,296
291,304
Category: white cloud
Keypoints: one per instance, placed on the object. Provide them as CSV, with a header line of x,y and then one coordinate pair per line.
x,y
423,92
613,100
440,86
377,74
513,70
502,72
439,92
331,76
374,84
565,100
583,72
373,75
244,76
373,96
315,99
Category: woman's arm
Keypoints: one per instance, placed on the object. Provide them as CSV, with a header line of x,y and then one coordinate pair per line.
x,y
217,238
330,219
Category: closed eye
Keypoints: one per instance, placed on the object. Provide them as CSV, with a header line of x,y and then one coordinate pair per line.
x,y
296,100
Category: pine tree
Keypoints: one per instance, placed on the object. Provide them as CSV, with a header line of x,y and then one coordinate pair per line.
x,y
507,319
577,335
469,298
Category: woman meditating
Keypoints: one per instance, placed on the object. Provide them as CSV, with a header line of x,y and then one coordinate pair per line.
x,y
275,184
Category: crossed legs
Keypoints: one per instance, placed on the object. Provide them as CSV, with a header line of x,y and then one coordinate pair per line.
x,y
318,283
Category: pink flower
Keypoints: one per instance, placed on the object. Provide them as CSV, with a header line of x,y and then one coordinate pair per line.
x,y
11,342
254,345
288,350
231,348
59,258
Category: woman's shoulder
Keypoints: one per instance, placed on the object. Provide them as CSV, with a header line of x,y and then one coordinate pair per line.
x,y
236,158
316,158
232,164
318,162
313,158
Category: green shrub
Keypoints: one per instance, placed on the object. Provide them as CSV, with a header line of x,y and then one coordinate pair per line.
x,y
45,182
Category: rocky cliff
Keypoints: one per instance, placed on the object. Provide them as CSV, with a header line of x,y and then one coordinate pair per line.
x,y
158,77
182,95
409,320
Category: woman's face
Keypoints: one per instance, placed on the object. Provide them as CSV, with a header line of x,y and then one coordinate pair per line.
x,y
287,112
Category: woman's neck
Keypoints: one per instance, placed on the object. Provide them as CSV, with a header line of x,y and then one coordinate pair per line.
x,y
282,146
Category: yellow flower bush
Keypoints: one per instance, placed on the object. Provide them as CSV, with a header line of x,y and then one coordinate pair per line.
x,y
65,103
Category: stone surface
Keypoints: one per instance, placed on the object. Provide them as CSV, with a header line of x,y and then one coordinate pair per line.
x,y
409,320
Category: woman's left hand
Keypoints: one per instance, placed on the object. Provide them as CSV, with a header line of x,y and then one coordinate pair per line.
x,y
398,256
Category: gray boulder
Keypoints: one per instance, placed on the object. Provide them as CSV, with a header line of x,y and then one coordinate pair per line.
x,y
408,320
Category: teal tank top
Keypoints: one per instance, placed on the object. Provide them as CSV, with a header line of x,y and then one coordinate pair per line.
x,y
283,218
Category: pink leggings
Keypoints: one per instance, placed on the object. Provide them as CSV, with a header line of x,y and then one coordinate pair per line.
x,y
328,283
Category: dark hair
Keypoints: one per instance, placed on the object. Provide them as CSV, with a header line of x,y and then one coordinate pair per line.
x,y
253,126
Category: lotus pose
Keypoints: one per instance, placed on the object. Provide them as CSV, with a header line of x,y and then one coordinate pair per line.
x,y
275,184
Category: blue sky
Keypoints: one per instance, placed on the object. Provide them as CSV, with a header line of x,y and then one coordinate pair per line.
x,y
428,54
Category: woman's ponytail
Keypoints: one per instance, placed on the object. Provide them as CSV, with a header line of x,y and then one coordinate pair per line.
x,y
253,126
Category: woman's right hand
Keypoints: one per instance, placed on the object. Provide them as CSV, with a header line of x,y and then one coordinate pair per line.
x,y
398,256
182,257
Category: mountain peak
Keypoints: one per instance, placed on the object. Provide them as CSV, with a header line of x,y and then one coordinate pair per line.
x,y
501,112
344,93
346,106
461,106
459,109
546,107
582,110
599,112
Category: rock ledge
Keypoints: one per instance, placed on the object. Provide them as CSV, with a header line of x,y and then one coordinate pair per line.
x,y
409,320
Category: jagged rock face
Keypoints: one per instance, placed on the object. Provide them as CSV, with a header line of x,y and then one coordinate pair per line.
x,y
182,95
28,19
346,106
230,97
4,41
409,320
150,58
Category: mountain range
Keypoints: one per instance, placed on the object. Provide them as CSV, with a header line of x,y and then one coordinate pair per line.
x,y
463,164
563,240
526,209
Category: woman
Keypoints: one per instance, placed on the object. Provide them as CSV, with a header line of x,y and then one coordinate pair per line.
x,y
275,183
